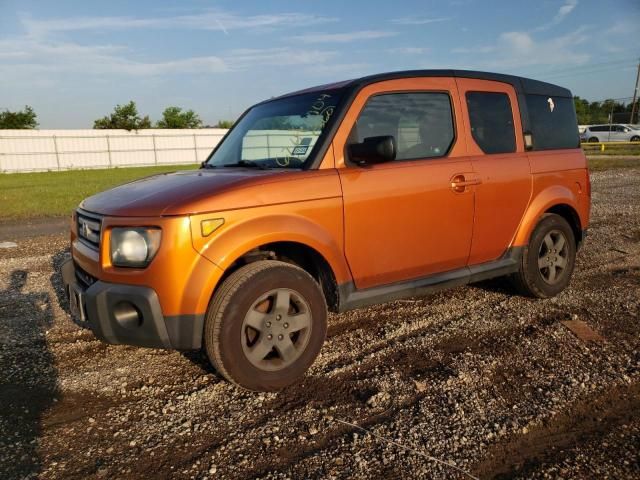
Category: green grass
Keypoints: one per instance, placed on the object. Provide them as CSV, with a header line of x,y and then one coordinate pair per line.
x,y
597,164
612,149
55,194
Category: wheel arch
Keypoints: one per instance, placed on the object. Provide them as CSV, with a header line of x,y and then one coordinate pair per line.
x,y
570,214
555,199
295,253
292,239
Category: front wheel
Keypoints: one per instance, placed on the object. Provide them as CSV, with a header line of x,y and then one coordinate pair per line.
x,y
594,140
265,325
635,138
548,261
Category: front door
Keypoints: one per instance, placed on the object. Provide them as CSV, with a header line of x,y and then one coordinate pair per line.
x,y
412,217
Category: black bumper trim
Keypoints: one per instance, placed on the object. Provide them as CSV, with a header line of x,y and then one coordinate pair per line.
x,y
181,332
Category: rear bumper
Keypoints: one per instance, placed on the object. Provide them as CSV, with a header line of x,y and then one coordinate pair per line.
x,y
131,315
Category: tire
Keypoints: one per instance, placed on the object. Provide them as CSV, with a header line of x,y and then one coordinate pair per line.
x,y
259,306
593,140
546,265
635,138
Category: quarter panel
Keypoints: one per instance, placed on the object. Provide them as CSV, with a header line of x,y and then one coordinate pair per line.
x,y
550,189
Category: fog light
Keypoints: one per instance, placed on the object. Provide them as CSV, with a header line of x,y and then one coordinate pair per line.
x,y
127,315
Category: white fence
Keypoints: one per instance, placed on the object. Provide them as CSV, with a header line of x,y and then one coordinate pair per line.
x,y
43,150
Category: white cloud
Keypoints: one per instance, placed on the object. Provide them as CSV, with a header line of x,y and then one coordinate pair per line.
x,y
244,58
342,37
347,70
409,50
208,20
565,9
628,26
418,20
474,50
521,49
518,42
42,52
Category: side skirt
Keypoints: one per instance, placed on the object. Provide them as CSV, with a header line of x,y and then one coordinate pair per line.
x,y
352,298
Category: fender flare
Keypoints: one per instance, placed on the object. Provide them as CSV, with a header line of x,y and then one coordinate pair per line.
x,y
236,239
541,203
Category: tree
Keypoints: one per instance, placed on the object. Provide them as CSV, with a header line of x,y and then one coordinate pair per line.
x,y
582,110
590,113
22,119
224,124
124,116
174,117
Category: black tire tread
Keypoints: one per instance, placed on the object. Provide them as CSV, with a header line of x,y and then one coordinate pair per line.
x,y
522,280
220,301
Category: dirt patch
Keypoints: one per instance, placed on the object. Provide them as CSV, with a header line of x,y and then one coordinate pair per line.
x,y
476,375
587,420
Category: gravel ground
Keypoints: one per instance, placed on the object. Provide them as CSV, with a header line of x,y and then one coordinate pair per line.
x,y
489,383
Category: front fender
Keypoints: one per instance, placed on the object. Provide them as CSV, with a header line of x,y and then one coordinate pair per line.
x,y
317,224
543,201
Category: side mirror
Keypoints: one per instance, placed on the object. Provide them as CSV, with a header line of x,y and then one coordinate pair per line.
x,y
373,150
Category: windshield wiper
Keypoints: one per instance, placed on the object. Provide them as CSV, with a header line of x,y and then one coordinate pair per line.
x,y
208,165
248,164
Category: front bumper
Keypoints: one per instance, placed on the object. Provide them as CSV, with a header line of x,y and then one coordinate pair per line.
x,y
129,314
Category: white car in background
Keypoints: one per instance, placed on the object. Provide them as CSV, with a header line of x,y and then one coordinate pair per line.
x,y
616,132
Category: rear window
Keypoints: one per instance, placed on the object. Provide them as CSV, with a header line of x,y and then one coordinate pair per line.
x,y
553,122
491,121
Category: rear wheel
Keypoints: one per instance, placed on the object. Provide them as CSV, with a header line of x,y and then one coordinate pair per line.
x,y
265,325
548,261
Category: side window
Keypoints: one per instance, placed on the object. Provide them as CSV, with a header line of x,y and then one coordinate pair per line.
x,y
491,121
421,123
553,122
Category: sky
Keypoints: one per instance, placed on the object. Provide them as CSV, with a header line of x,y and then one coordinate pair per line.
x,y
73,61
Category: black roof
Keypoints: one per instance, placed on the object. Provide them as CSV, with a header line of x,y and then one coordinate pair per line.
x,y
520,84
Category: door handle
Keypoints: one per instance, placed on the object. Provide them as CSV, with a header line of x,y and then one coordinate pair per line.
x,y
460,182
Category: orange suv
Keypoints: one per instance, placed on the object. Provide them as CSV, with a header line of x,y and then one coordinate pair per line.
x,y
333,198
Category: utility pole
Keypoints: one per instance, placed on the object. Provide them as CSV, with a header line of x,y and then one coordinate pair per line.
x,y
635,96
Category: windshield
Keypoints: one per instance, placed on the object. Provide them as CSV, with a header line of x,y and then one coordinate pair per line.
x,y
278,134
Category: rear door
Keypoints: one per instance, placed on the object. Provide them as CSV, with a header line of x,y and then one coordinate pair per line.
x,y
403,219
496,146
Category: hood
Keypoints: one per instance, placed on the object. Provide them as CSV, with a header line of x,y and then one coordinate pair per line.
x,y
166,193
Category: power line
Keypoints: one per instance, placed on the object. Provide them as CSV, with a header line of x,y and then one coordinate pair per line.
x,y
587,66
586,72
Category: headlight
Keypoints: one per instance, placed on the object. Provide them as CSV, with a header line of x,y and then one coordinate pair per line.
x,y
134,247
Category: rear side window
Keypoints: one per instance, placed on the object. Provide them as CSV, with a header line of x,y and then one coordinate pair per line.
x,y
421,123
553,122
491,121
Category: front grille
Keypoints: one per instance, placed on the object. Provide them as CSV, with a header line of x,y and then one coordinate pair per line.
x,y
89,228
84,278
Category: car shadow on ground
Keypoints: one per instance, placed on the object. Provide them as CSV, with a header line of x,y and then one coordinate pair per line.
x,y
57,285
495,285
199,358
28,377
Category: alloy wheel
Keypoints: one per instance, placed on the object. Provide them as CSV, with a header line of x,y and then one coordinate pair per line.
x,y
276,329
553,256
